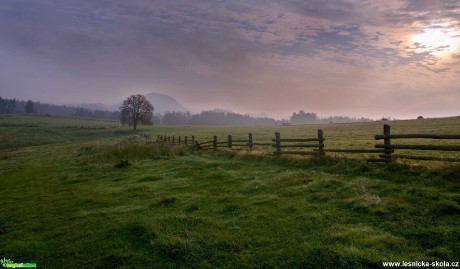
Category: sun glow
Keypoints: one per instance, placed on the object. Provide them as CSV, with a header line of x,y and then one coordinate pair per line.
x,y
438,40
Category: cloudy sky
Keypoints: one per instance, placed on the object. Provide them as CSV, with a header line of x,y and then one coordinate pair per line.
x,y
397,58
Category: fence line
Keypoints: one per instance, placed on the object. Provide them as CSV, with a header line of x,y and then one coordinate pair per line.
x,y
315,146
389,147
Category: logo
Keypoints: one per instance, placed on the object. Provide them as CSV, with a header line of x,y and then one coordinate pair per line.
x,y
10,264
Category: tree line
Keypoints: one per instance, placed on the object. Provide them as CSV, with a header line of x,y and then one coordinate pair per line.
x,y
10,106
211,117
217,117
311,118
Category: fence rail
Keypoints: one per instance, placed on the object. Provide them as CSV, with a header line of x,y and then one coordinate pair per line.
x,y
420,147
315,146
432,136
355,150
279,144
389,147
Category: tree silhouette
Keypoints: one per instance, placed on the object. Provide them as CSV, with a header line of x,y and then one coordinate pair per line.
x,y
136,110
30,107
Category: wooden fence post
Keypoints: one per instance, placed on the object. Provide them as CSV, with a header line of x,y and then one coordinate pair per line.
x,y
169,139
185,140
193,139
387,142
174,140
229,141
321,152
278,142
179,140
214,142
250,141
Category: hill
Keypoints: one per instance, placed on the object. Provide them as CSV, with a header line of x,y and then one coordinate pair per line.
x,y
164,103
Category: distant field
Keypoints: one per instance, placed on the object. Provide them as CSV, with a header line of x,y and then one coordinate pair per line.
x,y
83,193
338,136
345,135
22,131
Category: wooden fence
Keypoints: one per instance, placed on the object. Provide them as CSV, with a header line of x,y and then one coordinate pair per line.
x,y
389,147
280,143
315,146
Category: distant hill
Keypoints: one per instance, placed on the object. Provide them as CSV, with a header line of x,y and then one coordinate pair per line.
x,y
164,103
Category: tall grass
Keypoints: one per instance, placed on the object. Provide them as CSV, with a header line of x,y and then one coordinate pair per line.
x,y
130,148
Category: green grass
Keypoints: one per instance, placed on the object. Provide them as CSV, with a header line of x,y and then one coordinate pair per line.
x,y
25,131
97,198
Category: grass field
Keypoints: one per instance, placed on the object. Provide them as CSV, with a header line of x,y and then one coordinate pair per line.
x,y
80,193
338,136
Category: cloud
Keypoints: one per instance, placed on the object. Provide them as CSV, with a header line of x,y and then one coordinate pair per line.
x,y
240,54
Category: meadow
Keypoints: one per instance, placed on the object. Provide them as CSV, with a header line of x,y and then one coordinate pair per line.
x,y
86,193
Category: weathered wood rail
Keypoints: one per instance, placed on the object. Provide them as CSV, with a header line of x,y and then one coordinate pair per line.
x,y
315,146
389,147
280,144
173,140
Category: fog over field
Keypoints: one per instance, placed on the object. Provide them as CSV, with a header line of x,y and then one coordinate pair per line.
x,y
397,58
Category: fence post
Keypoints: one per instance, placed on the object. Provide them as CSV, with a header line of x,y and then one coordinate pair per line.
x,y
169,139
250,142
321,152
229,141
278,142
179,139
193,139
185,140
214,142
174,140
387,142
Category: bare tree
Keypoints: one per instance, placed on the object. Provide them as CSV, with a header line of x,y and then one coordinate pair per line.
x,y
136,110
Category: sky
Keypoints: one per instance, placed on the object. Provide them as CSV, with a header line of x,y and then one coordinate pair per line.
x,y
363,58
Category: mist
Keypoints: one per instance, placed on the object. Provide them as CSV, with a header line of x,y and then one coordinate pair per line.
x,y
353,58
